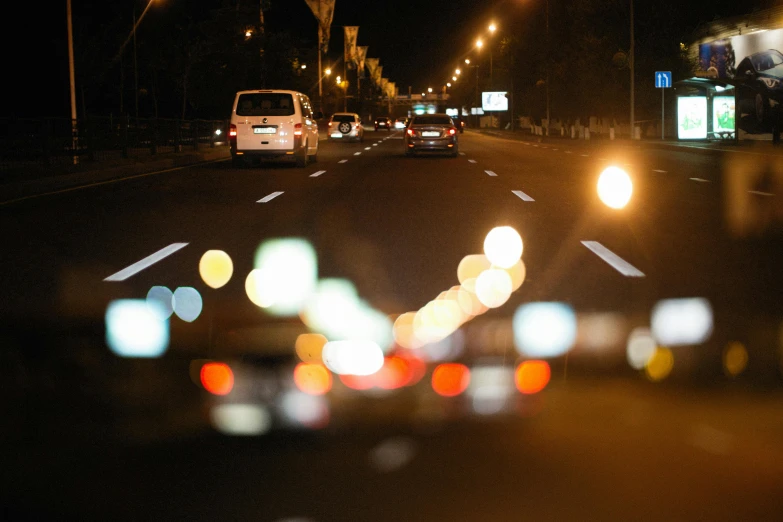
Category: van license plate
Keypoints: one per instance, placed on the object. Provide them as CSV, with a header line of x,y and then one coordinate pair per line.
x,y
430,134
265,130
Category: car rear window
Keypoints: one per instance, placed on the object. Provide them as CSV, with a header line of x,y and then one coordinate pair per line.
x,y
431,120
343,118
265,104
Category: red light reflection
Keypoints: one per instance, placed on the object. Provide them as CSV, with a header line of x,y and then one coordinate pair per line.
x,y
217,378
450,379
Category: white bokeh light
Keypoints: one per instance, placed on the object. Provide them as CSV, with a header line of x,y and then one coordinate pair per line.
x,y
544,330
493,287
503,246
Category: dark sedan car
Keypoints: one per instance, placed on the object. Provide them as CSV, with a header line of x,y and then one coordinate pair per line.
x,y
761,85
383,123
431,133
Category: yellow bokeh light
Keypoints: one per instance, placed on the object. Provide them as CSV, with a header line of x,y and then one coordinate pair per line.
x,y
493,287
517,272
403,330
216,268
503,247
471,266
309,347
735,359
615,187
660,364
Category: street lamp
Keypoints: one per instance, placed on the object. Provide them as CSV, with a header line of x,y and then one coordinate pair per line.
x,y
304,66
479,44
328,71
467,61
492,28
429,89
454,78
457,71
448,84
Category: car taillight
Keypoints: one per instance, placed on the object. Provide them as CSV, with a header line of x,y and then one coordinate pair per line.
x,y
452,131
232,131
411,132
298,129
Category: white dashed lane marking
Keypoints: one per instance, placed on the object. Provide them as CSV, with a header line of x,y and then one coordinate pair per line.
x,y
490,173
316,174
615,261
342,161
270,197
700,180
760,193
357,153
661,171
521,195
148,261
471,161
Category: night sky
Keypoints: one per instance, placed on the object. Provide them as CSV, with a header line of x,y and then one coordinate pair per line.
x,y
417,42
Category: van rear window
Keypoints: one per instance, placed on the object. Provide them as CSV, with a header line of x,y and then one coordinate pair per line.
x,y
265,104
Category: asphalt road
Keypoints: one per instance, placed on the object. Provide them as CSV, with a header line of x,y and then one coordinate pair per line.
x,y
612,447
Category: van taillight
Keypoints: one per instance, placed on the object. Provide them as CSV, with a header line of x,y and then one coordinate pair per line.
x,y
232,131
298,129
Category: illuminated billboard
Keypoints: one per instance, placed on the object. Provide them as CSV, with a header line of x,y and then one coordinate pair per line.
x,y
692,118
723,110
494,101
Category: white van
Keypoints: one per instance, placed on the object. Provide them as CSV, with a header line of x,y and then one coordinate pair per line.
x,y
273,124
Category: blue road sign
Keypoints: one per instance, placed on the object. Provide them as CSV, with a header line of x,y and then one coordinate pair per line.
x,y
663,79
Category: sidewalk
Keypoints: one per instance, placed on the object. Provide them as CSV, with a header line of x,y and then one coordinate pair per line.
x,y
746,146
104,172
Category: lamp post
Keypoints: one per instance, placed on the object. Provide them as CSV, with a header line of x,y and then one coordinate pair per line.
x,y
492,29
630,64
72,75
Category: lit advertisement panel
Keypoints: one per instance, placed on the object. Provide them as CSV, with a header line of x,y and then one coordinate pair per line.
x,y
723,111
692,118
494,101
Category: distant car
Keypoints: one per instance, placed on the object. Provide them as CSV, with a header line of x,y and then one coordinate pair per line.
x,y
346,126
400,123
383,123
760,79
431,133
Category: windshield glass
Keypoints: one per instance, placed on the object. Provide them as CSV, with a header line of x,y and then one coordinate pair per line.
x,y
265,104
566,307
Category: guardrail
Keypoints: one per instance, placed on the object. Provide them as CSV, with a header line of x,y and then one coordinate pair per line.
x,y
30,145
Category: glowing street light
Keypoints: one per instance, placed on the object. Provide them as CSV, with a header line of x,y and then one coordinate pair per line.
x,y
492,27
338,80
304,66
248,34
328,71
448,84
467,61
479,43
457,71
454,78
429,89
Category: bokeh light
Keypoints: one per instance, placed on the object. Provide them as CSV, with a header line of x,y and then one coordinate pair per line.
x,y
450,379
735,359
187,303
615,187
217,378
161,301
395,373
503,246
305,410
471,266
491,386
313,379
544,330
134,328
493,287
640,348
288,270
215,268
678,322
353,357
660,364
403,330
532,376
309,347
518,273
240,419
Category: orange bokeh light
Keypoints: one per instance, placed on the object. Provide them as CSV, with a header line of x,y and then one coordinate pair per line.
x,y
450,379
358,382
217,378
532,376
395,373
313,379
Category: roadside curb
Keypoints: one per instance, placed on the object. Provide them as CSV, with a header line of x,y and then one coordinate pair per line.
x,y
26,189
